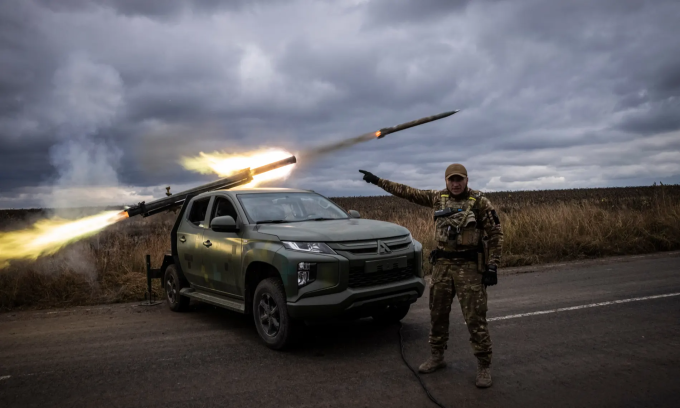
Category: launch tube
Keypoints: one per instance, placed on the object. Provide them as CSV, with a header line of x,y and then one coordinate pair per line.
x,y
239,178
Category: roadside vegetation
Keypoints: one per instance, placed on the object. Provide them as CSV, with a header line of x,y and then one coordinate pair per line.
x,y
539,227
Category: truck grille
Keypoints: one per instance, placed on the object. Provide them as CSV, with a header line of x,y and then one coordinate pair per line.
x,y
371,246
359,279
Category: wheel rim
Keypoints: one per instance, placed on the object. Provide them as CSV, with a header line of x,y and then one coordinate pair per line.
x,y
171,289
270,318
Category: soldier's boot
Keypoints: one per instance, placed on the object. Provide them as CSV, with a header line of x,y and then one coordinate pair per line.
x,y
434,363
483,376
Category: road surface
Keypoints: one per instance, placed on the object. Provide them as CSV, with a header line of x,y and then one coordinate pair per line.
x,y
603,333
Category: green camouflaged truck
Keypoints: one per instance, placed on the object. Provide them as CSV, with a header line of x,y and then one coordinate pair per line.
x,y
286,256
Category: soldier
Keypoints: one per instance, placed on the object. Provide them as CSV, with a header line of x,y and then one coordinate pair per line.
x,y
469,239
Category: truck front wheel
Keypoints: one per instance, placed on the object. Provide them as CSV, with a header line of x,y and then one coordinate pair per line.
x,y
172,284
276,328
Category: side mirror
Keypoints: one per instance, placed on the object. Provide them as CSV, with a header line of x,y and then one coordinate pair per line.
x,y
225,223
354,214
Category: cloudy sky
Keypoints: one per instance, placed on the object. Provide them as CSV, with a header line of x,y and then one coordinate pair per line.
x,y
99,99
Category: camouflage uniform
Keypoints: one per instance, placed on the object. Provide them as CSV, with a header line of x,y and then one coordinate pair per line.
x,y
459,276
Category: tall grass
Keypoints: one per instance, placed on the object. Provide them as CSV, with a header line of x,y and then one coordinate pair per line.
x,y
105,268
539,227
550,232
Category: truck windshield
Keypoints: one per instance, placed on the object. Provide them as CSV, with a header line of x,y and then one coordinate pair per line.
x,y
289,207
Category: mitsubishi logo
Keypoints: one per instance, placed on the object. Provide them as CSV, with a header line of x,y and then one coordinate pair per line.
x,y
383,248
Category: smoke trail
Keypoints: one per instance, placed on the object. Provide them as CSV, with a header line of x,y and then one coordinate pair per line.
x,y
314,153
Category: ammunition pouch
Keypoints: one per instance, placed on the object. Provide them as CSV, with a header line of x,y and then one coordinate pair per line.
x,y
469,237
471,256
457,227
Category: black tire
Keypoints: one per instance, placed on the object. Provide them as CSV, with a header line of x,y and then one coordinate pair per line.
x,y
173,284
275,327
392,313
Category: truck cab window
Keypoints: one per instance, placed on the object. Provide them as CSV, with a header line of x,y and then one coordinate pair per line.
x,y
198,210
222,207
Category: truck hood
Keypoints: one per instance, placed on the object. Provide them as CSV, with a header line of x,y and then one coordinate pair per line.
x,y
334,230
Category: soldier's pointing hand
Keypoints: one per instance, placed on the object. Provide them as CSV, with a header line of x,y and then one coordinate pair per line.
x,y
370,177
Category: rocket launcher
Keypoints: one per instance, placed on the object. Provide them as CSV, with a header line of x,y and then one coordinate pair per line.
x,y
239,178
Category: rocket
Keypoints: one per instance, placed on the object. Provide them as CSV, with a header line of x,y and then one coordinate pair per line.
x,y
318,151
386,131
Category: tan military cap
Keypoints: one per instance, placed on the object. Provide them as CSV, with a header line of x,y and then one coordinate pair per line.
x,y
455,169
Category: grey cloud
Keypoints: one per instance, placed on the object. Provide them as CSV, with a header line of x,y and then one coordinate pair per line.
x,y
22,163
399,11
529,173
660,116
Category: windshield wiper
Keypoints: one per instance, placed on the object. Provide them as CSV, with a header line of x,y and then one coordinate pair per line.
x,y
272,222
323,219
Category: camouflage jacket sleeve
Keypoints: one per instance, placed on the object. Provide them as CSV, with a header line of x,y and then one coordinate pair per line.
x,y
493,229
426,198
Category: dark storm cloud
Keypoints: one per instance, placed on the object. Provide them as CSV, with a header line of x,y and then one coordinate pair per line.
x,y
553,94
151,8
629,43
374,76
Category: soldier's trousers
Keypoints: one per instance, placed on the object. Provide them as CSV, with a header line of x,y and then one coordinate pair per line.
x,y
461,278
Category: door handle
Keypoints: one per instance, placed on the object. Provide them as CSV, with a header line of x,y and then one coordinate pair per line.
x,y
207,243
182,239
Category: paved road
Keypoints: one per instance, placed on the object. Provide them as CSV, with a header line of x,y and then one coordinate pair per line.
x,y
616,354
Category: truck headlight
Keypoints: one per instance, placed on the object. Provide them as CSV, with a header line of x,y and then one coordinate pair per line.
x,y
309,247
306,273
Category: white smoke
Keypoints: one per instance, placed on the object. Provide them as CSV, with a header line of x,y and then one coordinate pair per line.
x,y
87,98
87,173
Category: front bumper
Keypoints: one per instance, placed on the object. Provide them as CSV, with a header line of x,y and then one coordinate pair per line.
x,y
357,301
350,283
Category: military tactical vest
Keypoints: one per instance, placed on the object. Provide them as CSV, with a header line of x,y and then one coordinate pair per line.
x,y
461,231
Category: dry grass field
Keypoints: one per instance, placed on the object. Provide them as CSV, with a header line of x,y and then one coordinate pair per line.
x,y
539,226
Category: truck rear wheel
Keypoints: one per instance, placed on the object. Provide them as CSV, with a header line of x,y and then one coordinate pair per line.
x,y
172,285
392,313
276,328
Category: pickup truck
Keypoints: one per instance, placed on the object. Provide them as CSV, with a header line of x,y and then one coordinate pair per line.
x,y
287,256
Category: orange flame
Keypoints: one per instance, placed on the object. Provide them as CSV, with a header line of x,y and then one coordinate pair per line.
x,y
225,164
377,134
47,236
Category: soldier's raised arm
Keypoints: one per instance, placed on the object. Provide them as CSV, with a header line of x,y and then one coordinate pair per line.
x,y
422,197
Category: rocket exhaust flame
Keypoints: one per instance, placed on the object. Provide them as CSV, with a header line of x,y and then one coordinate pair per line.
x,y
225,164
47,236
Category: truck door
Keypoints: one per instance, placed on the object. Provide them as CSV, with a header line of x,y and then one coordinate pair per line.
x,y
190,241
222,250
